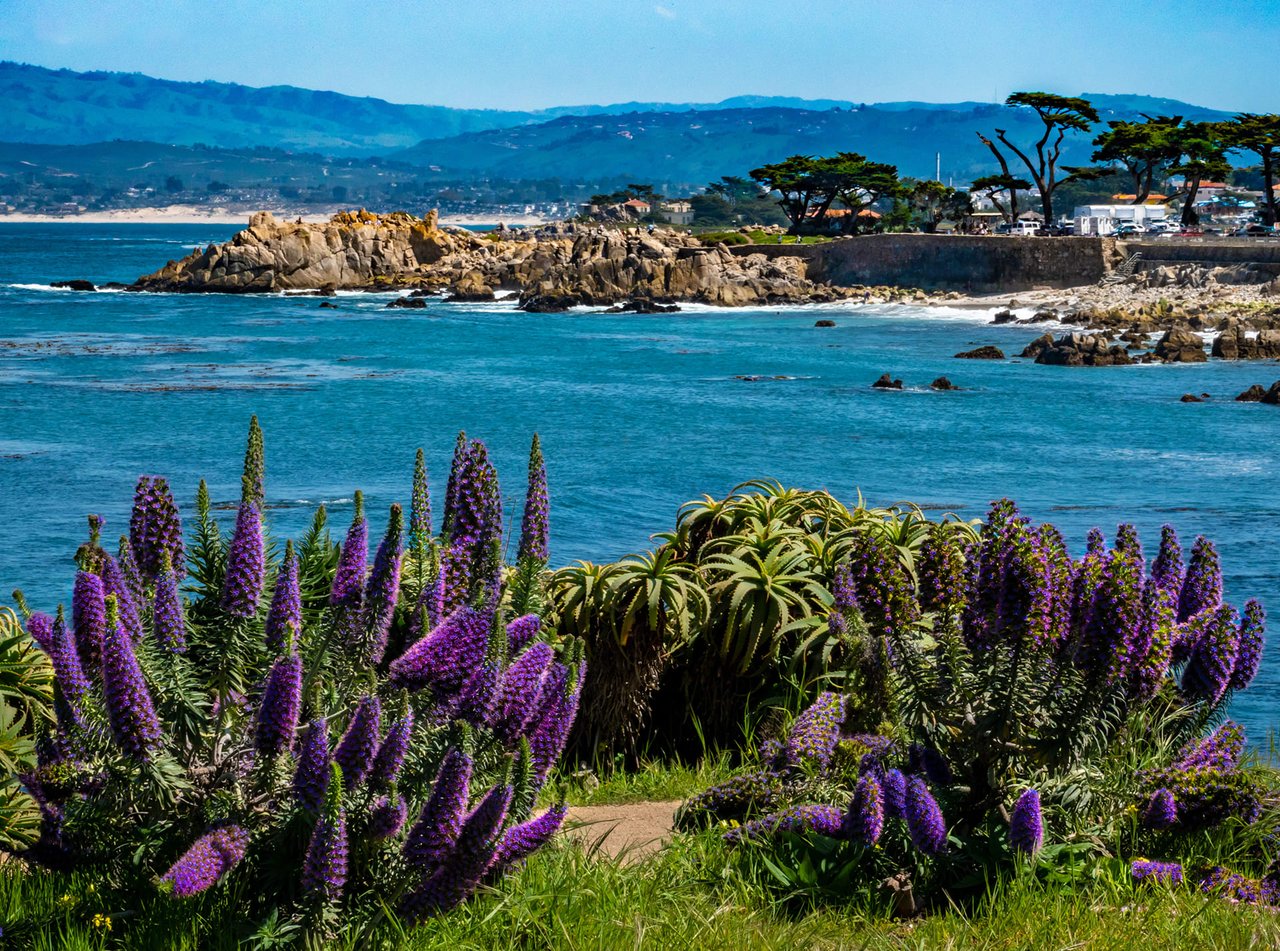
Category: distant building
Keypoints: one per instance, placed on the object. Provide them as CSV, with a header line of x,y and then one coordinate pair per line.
x,y
1105,219
677,212
637,207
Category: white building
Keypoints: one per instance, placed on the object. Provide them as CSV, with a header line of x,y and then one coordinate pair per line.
x,y
1104,219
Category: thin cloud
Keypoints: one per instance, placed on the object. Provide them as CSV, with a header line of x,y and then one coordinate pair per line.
x,y
665,12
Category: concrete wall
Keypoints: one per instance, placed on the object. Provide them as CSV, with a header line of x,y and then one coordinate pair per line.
x,y
1207,251
952,262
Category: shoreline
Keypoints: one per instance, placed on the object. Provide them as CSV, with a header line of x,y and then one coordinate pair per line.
x,y
196,215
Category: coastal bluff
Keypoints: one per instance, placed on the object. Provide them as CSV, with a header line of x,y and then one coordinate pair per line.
x,y
550,269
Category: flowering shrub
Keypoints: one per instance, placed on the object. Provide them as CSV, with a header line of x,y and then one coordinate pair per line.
x,y
339,737
1021,683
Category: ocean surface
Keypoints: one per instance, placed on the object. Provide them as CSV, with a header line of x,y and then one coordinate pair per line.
x,y
637,415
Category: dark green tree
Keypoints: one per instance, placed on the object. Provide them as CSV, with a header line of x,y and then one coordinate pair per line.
x,y
1259,134
933,202
992,186
1059,115
1145,149
1201,154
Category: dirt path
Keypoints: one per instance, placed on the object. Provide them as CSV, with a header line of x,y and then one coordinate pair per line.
x,y
637,829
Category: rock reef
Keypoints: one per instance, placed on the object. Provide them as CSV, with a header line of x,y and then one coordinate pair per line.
x,y
551,269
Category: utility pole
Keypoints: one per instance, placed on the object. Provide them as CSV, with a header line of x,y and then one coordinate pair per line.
x,y
937,173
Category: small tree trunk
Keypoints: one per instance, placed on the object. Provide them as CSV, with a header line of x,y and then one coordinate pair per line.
x,y
1268,183
1189,216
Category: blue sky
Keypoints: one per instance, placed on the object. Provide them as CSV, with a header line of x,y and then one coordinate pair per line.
x,y
531,53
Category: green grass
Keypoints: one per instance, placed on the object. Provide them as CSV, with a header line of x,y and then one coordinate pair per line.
x,y
650,782
688,896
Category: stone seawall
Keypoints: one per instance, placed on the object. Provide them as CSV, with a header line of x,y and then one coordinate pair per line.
x,y
1263,254
953,262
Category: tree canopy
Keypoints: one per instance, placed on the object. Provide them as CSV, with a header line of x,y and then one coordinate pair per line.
x,y
809,186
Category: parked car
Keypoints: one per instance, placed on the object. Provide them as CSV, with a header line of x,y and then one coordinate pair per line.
x,y
1161,227
1127,229
1254,231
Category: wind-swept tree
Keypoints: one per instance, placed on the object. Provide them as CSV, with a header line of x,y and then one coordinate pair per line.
x,y
1144,149
991,186
1201,154
933,202
860,183
1059,115
801,182
1259,134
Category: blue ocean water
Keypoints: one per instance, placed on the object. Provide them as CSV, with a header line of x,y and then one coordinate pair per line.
x,y
637,414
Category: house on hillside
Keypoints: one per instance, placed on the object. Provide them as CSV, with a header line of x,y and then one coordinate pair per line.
x,y
676,212
637,207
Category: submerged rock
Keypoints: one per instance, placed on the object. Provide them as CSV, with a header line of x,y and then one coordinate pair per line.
x,y
1191,398
942,383
824,323
1273,395
324,304
414,303
886,382
75,285
982,353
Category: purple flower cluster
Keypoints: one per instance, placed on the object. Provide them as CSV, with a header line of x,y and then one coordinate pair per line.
x,y
253,481
129,707
1219,751
844,600
433,836
89,618
925,823
1161,810
881,586
346,595
478,697
1251,641
941,571
73,685
521,690
1145,870
446,657
473,525
387,817
824,820
1026,825
894,786
522,630
324,870
168,620
246,564
1213,656
115,583
210,858
550,729
1202,587
383,589
865,820
1231,886
814,734
311,779
155,529
40,627
759,791
467,862
285,614
534,527
521,841
356,750
1167,569
392,751
281,704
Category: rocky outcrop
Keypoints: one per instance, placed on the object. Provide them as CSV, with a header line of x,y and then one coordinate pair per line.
x,y
982,353
76,284
1077,350
565,267
1256,394
1236,343
1180,345
942,383
886,382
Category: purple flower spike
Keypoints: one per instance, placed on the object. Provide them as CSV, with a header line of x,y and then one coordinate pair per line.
x,y
924,819
1213,659
824,820
129,707
155,529
115,583
89,618
384,587
168,621
391,754
1161,810
521,690
246,564
473,525
865,821
346,596
1202,587
479,695
387,817
281,704
550,733
1252,633
286,603
1026,826
356,749
1169,873
534,531
467,863
129,571
1220,752
446,657
523,840
894,785
207,861
40,627
1166,569
1127,541
324,871
420,507
432,837
311,779
69,674
523,630
814,734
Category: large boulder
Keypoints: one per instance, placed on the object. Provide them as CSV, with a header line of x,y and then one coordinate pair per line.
x,y
1180,345
982,353
1078,350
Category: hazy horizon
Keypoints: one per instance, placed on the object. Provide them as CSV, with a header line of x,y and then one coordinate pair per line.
x,y
494,56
